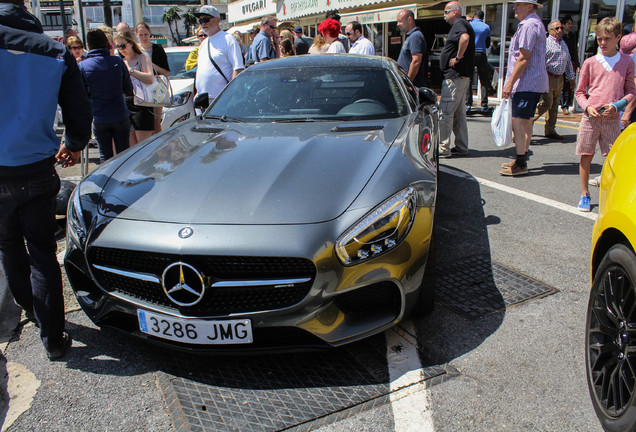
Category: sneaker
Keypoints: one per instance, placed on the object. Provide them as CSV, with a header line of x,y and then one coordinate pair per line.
x,y
457,152
584,203
596,181
514,170
445,154
508,164
59,352
565,110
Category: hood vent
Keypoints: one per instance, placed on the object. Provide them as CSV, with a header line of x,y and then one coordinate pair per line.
x,y
357,128
207,130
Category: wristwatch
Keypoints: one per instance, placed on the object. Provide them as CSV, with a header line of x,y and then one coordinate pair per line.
x,y
130,71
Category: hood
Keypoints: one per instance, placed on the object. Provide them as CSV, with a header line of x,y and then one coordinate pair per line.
x,y
236,173
14,16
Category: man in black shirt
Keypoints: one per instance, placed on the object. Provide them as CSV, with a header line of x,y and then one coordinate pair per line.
x,y
457,64
301,45
569,37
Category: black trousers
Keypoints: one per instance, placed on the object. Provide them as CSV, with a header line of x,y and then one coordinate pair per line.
x,y
567,95
484,71
27,214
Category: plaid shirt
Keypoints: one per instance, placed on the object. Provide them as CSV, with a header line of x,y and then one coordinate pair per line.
x,y
557,58
530,35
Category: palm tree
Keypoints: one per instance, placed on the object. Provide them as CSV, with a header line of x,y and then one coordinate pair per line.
x,y
171,16
190,20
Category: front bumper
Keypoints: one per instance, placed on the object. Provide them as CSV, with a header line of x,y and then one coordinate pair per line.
x,y
338,305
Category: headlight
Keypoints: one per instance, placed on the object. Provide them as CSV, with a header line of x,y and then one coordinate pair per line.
x,y
75,221
380,230
181,98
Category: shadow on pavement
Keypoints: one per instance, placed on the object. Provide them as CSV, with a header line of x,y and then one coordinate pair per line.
x,y
460,235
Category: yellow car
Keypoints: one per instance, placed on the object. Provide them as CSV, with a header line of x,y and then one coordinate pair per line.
x,y
611,314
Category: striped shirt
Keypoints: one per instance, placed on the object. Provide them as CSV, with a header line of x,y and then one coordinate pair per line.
x,y
557,58
530,35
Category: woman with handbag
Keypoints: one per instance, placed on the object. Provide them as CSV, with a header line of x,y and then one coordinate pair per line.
x,y
158,58
142,119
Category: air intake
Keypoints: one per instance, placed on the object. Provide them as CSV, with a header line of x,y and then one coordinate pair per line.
x,y
356,128
207,130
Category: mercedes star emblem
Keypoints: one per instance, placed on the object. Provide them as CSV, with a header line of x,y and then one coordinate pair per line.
x,y
183,284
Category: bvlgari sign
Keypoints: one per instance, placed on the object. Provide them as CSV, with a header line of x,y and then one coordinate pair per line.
x,y
250,9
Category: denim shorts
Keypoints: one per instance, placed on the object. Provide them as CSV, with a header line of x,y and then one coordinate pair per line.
x,y
524,104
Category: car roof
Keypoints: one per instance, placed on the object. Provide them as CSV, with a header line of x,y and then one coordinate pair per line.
x,y
327,60
178,49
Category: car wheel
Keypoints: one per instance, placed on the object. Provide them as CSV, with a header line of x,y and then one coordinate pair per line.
x,y
610,355
425,302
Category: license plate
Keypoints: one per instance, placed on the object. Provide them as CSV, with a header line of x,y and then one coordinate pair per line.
x,y
193,331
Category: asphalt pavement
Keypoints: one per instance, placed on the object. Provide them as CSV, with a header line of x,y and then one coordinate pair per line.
x,y
513,365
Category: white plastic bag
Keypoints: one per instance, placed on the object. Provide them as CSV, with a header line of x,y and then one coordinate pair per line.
x,y
501,124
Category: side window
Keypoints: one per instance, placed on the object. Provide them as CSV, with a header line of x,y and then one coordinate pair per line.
x,y
410,89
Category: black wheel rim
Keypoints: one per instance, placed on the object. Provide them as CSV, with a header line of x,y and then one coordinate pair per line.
x,y
611,341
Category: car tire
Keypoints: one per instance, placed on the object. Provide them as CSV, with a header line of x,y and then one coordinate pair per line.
x,y
425,302
610,340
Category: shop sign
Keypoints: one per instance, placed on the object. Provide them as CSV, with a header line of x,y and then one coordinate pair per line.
x,y
54,4
250,9
378,15
396,40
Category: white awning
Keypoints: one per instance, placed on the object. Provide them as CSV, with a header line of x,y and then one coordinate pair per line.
x,y
293,9
377,15
242,27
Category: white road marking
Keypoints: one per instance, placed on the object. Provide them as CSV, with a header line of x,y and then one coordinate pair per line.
x,y
523,194
410,399
22,388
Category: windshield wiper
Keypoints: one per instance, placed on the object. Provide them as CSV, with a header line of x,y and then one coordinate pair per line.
x,y
301,120
224,118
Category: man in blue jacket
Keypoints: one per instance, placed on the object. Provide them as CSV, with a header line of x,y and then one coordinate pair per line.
x,y
106,78
39,74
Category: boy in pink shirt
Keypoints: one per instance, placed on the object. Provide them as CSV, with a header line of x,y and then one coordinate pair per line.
x,y
608,79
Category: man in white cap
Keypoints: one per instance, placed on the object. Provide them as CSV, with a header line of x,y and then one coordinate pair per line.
x,y
526,80
220,58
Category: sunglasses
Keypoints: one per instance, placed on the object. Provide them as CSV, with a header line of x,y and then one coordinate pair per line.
x,y
201,36
447,11
348,33
121,46
204,20
557,28
76,47
272,26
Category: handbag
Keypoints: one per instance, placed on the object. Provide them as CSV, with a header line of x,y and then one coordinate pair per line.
x,y
157,94
501,123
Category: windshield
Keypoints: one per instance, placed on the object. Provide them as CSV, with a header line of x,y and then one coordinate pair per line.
x,y
176,60
311,94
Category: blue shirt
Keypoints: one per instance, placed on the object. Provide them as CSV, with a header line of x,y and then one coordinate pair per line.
x,y
262,48
482,32
415,43
106,78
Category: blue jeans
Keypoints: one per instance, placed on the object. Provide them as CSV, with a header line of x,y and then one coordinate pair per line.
x,y
27,212
109,132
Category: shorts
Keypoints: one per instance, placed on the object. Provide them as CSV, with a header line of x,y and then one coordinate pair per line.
x,y
593,130
524,104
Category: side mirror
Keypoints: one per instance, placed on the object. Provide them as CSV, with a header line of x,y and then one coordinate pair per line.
x,y
427,96
201,101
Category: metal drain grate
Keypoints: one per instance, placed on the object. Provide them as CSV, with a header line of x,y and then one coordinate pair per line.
x,y
271,393
477,286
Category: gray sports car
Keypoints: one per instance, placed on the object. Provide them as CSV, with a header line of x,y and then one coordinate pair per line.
x,y
296,213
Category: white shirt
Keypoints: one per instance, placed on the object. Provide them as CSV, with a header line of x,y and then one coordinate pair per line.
x,y
337,47
362,46
226,52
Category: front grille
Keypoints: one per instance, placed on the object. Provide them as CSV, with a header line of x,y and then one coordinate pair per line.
x,y
218,300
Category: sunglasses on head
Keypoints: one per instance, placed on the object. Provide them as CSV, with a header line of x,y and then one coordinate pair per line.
x,y
204,20
120,46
